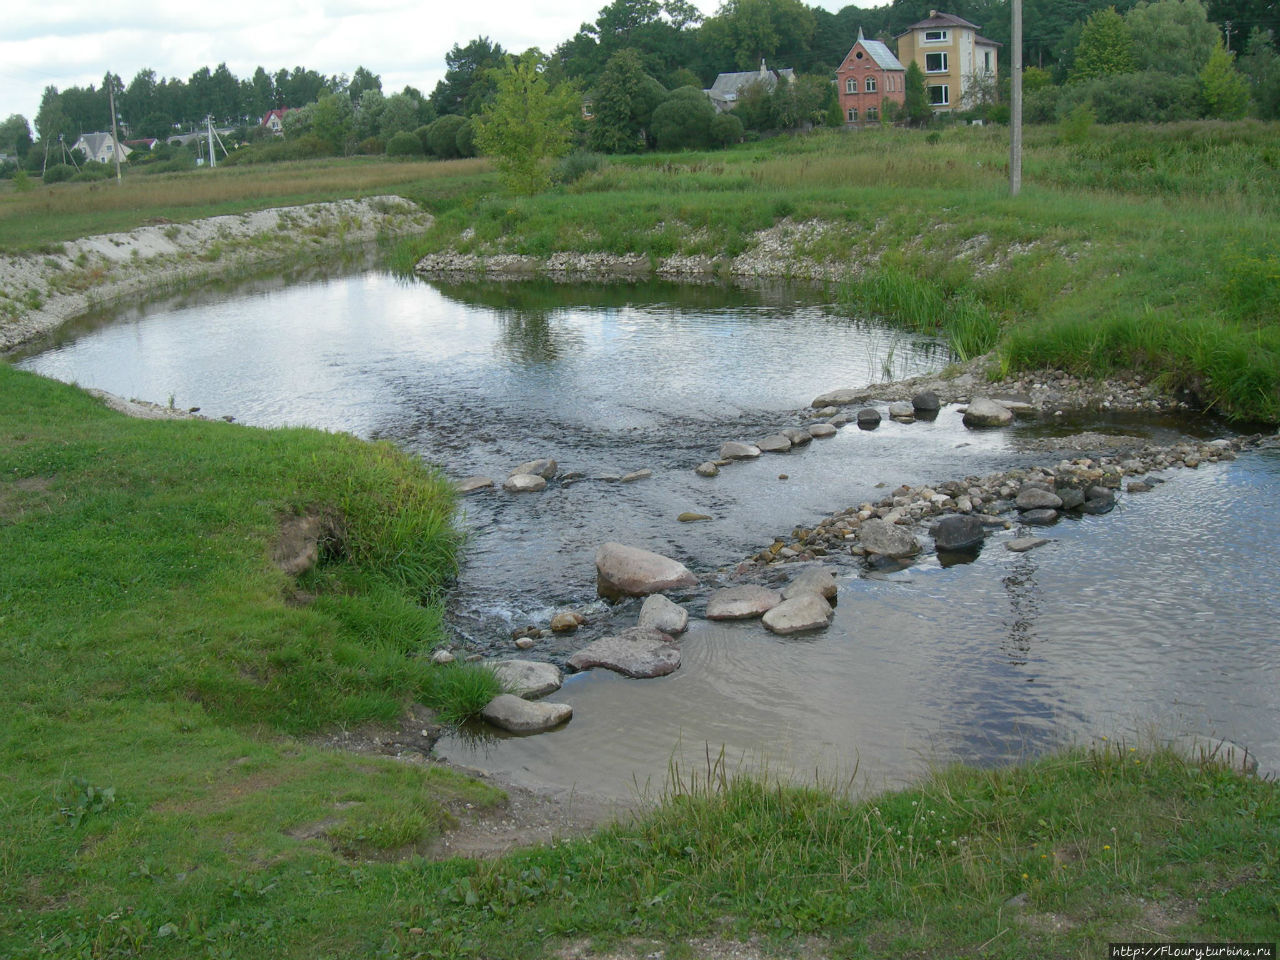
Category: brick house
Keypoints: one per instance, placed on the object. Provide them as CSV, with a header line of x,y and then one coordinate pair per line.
x,y
959,66
869,75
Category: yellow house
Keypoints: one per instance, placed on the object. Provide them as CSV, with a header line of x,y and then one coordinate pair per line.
x,y
959,66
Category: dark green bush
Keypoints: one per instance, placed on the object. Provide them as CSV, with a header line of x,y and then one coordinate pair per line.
x,y
442,136
58,172
404,144
683,121
466,139
726,129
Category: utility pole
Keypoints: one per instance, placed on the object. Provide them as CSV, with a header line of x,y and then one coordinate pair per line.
x,y
208,124
1015,103
1226,28
115,135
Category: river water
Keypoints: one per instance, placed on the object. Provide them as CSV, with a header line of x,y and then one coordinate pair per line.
x,y
1159,617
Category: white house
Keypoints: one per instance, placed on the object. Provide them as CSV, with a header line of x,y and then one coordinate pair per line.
x,y
101,147
728,87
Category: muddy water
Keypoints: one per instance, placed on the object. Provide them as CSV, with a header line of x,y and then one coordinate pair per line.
x,y
1160,614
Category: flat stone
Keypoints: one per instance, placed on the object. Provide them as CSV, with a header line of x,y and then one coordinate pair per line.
x,y
958,534
735,450
544,467
442,657
901,410
926,401
774,443
984,412
1098,507
887,539
690,517
1139,486
808,611
798,436
623,571
635,475
741,603
817,580
472,484
529,679
639,652
659,613
837,398
524,483
1039,518
520,716
820,431
1030,498
707,468
1023,544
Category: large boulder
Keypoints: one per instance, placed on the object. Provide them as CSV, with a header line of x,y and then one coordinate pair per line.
x,y
623,571
734,450
520,716
527,678
741,603
1033,498
958,533
524,483
983,412
926,401
659,613
820,431
869,418
838,398
808,611
545,468
887,539
774,443
640,652
817,580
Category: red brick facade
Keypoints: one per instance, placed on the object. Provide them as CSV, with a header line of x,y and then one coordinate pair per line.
x,y
869,76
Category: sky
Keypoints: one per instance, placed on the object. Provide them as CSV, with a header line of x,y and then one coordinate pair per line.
x,y
68,43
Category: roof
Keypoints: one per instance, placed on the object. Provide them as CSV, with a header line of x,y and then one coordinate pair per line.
x,y
936,19
729,85
878,52
990,43
276,112
98,143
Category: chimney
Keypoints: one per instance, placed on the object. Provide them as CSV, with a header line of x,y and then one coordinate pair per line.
x,y
932,14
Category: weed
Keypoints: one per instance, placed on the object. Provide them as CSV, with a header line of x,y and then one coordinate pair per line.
x,y
79,799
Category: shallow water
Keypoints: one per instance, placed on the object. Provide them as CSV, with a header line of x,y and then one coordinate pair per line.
x,y
1161,613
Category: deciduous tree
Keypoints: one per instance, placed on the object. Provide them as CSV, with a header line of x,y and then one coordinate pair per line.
x,y
1105,47
1224,91
526,123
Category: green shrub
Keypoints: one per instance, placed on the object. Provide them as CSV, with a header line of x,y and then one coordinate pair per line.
x,y
726,129
404,144
1149,96
442,136
371,147
59,172
423,135
466,139
683,121
577,165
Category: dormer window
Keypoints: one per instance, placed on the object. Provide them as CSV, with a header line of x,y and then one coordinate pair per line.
x,y
937,36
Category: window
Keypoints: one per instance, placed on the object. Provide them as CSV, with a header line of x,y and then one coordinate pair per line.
x,y
936,36
851,85
871,84
939,95
935,63
853,114
986,60
872,114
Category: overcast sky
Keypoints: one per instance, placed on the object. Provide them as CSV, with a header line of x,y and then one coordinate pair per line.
x,y
75,42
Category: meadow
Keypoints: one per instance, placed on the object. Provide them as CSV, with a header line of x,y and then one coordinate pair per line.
x,y
165,785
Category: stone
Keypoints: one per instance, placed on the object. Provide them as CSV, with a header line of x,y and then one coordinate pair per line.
x,y
887,539
707,468
545,468
1039,518
1098,507
983,412
926,401
525,643
808,611
798,436
821,431
837,398
774,443
691,517
516,715
817,580
659,613
735,450
960,533
472,484
635,475
1071,497
869,418
442,657
1023,544
524,483
901,410
640,652
529,679
1032,498
741,603
567,621
1099,493
623,571
1139,486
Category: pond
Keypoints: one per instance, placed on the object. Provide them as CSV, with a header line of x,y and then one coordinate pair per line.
x,y
1160,615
